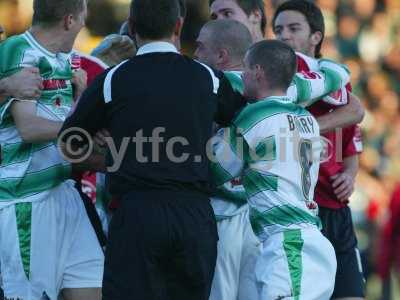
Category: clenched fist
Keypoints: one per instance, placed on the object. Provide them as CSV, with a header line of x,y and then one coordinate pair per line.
x,y
26,84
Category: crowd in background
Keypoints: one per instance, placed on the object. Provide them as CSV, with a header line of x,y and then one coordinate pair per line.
x,y
363,34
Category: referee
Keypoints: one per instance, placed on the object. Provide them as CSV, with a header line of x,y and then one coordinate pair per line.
x,y
159,108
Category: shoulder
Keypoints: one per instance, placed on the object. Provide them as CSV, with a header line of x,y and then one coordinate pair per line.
x,y
209,72
263,110
14,53
15,43
306,63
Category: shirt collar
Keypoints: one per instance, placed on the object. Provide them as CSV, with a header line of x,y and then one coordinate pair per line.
x,y
157,47
279,98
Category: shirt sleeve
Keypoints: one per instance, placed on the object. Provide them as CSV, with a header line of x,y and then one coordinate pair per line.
x,y
14,57
90,113
310,86
227,162
352,141
328,83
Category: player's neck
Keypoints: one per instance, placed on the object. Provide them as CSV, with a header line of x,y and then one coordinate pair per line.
x,y
266,93
234,66
51,39
309,53
141,42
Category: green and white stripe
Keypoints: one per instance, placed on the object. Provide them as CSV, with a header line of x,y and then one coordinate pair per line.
x,y
269,167
27,170
293,245
23,215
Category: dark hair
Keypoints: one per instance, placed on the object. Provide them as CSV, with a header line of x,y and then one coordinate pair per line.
x,y
230,34
278,61
250,6
311,12
49,12
154,19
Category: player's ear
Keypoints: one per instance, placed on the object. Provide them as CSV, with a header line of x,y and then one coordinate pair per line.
x,y
223,56
316,38
255,18
259,72
68,21
178,27
131,27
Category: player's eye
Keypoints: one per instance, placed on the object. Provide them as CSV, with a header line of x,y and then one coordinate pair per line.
x,y
213,17
228,14
294,29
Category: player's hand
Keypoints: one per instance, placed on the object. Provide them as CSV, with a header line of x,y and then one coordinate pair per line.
x,y
114,49
343,185
27,84
100,137
79,81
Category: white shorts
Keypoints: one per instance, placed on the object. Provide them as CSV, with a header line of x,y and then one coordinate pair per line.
x,y
47,246
238,250
297,264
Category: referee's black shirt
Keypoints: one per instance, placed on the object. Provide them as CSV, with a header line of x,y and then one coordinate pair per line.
x,y
159,90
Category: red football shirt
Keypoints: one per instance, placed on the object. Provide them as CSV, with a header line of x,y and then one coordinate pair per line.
x,y
343,143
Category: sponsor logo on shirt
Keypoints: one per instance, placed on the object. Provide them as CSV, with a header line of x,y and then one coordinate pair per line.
x,y
54,84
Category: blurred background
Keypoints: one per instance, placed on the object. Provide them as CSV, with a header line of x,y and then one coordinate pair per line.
x,y
365,35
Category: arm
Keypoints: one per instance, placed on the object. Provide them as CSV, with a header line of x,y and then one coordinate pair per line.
x,y
343,183
227,162
89,117
309,87
33,129
79,83
25,84
96,161
114,49
342,117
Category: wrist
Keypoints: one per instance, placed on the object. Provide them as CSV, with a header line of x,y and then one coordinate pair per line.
x,y
351,173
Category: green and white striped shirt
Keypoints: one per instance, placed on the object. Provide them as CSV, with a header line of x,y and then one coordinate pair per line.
x,y
274,146
28,171
305,89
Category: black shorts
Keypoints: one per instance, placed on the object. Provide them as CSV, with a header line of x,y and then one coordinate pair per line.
x,y
162,245
337,226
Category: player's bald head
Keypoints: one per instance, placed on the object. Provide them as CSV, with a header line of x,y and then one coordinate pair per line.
x,y
230,35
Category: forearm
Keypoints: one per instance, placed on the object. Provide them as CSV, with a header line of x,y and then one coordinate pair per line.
x,y
332,121
32,128
95,162
227,163
351,165
343,116
311,86
81,159
37,129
